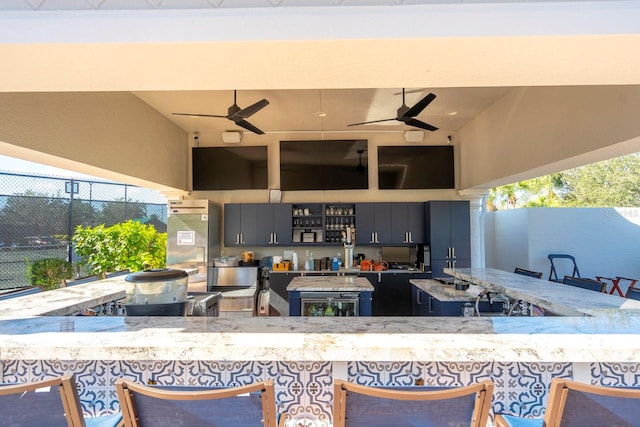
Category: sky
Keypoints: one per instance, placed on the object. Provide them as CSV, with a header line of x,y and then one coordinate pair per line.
x,y
10,164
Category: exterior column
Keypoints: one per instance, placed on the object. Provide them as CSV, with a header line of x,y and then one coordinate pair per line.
x,y
477,201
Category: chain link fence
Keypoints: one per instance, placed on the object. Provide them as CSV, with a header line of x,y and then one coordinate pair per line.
x,y
38,215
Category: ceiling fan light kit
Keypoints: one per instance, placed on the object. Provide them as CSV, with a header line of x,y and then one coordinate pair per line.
x,y
231,137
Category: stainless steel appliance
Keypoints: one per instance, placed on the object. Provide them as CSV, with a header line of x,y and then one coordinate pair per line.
x,y
193,239
239,289
337,304
203,304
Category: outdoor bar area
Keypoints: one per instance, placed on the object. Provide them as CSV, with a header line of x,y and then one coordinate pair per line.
x,y
589,340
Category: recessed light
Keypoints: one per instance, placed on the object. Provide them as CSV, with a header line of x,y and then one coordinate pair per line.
x,y
321,114
452,113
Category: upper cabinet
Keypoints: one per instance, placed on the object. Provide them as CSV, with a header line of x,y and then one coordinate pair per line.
x,y
397,223
448,234
273,224
240,224
374,223
407,223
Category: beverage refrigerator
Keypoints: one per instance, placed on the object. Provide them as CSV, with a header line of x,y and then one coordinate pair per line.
x,y
193,240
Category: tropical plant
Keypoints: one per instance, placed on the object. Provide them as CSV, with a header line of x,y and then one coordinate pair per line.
x,y
49,273
125,246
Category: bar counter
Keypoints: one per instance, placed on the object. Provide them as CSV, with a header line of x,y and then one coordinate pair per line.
x,y
304,354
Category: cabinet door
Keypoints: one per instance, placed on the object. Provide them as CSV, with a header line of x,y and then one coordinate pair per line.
x,y
248,224
282,216
365,224
439,217
419,302
407,223
382,215
415,223
232,228
461,229
264,224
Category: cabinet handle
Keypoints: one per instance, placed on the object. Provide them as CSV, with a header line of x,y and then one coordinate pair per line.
x,y
275,238
237,238
430,305
410,238
419,299
453,252
372,240
377,237
242,238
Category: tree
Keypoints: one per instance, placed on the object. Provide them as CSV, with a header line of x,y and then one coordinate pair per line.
x,y
125,246
120,210
611,183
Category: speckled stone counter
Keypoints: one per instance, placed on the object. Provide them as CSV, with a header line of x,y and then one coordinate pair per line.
x,y
442,292
330,284
552,296
304,354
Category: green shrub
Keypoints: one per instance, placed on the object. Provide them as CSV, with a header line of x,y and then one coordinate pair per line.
x,y
49,273
126,246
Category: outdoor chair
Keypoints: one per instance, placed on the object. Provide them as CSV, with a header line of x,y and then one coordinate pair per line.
x,y
590,284
525,272
47,403
362,406
633,293
157,406
577,404
562,259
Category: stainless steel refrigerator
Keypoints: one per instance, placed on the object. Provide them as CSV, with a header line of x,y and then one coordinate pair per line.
x,y
193,239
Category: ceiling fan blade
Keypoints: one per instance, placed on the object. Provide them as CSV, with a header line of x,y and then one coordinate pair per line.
x,y
248,126
198,115
421,105
372,121
245,113
419,124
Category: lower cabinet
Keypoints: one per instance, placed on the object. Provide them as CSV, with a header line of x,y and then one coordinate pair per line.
x,y
392,293
424,304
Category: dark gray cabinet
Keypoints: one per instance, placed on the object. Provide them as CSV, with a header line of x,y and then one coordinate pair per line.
x,y
448,234
407,223
391,295
240,225
373,223
273,222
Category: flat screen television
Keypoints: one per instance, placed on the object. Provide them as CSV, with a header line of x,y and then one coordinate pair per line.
x,y
230,168
415,167
324,165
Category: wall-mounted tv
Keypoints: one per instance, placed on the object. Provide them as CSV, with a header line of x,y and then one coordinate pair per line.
x,y
415,167
324,165
230,168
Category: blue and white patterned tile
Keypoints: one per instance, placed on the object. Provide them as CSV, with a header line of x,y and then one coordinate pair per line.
x,y
379,374
304,391
523,388
456,374
615,374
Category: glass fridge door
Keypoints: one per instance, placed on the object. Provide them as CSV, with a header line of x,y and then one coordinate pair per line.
x,y
329,308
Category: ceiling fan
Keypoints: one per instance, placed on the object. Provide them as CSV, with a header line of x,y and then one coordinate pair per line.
x,y
237,114
407,115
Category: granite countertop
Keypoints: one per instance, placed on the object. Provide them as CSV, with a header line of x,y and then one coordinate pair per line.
x,y
330,284
552,296
452,339
66,301
350,271
440,291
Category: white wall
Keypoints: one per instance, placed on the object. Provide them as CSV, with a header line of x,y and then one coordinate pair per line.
x,y
604,241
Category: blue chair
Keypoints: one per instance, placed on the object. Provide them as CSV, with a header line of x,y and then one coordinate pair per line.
x,y
590,284
572,403
361,406
157,406
47,403
553,273
633,293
